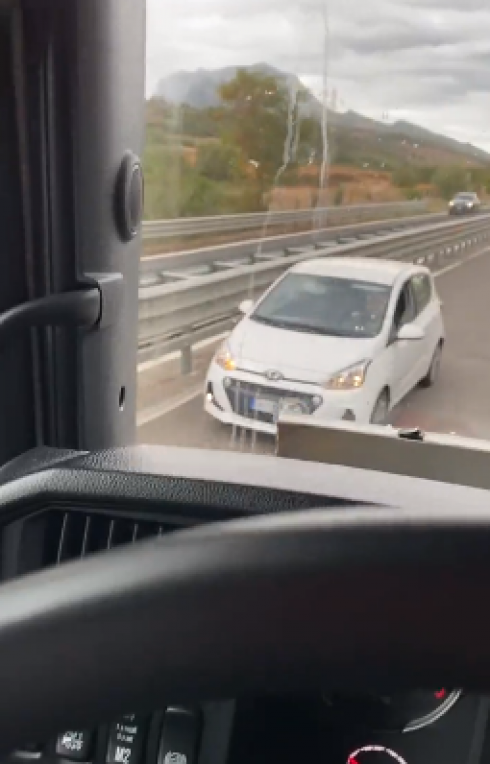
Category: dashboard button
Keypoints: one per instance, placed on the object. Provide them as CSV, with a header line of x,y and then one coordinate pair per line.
x,y
126,740
75,745
180,737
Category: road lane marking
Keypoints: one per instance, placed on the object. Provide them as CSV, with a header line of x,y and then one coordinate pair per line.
x,y
149,415
468,259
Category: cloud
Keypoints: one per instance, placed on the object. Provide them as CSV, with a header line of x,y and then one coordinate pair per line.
x,y
428,60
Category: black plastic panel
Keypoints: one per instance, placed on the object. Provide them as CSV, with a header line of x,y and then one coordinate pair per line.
x,y
153,483
79,94
18,426
216,723
275,602
177,483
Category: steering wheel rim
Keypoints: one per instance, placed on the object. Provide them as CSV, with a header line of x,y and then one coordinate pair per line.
x,y
358,598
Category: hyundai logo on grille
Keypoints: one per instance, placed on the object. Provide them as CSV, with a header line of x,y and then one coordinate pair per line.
x,y
274,375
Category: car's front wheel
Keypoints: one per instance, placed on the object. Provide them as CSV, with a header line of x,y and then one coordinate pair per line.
x,y
431,377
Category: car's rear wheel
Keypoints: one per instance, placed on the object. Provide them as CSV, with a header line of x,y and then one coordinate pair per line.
x,y
381,409
431,377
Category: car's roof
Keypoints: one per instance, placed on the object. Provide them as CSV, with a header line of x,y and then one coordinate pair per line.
x,y
358,268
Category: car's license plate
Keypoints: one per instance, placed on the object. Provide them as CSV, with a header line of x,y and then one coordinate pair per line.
x,y
264,406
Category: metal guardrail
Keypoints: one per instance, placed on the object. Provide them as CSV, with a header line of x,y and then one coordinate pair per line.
x,y
165,229
167,268
173,317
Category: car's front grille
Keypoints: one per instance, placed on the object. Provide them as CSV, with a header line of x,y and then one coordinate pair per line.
x,y
246,400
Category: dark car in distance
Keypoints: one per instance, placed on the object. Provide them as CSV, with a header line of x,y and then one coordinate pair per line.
x,y
464,202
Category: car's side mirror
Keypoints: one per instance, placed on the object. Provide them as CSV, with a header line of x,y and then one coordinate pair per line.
x,y
410,332
246,306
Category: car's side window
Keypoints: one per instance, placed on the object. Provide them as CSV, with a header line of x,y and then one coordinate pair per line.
x,y
404,310
422,291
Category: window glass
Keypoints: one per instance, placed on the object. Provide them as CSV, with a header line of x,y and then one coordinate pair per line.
x,y
404,311
283,131
422,291
338,307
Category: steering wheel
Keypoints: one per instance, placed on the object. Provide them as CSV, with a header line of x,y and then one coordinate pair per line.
x,y
318,599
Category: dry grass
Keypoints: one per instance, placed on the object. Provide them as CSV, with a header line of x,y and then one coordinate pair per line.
x,y
358,187
190,155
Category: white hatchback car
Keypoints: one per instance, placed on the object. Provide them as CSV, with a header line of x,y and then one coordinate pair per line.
x,y
335,338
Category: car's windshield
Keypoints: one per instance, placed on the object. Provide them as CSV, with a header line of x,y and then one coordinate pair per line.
x,y
283,133
339,307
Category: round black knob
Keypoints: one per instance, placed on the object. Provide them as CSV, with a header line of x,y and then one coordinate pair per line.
x,y
129,197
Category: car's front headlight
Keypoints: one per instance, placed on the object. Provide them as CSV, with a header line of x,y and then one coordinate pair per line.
x,y
348,379
225,358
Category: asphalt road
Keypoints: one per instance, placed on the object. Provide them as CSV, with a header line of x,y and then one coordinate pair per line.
x,y
459,402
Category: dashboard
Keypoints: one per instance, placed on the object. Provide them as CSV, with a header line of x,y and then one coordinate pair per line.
x,y
57,507
406,728
303,729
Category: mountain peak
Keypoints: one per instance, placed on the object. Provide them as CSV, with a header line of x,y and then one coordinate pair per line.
x,y
199,89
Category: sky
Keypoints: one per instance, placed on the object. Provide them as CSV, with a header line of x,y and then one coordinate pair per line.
x,y
426,61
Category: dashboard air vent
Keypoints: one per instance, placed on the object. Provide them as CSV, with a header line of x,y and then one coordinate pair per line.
x,y
56,536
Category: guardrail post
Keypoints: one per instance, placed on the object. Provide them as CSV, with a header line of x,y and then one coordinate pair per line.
x,y
186,360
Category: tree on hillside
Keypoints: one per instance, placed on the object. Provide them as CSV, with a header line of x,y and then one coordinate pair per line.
x,y
310,144
198,122
218,162
405,176
258,121
450,180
